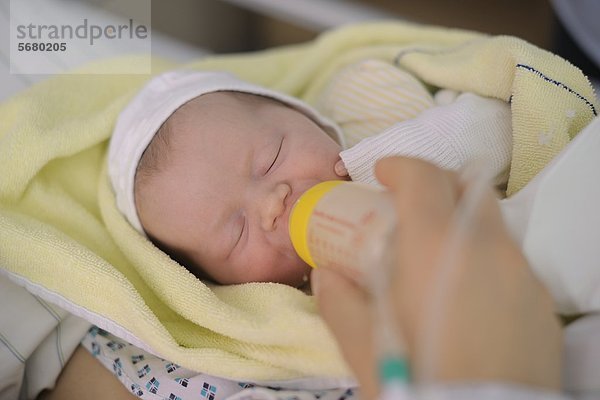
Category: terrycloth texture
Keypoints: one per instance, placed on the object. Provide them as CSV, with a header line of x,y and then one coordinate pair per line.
x,y
61,233
395,97
551,100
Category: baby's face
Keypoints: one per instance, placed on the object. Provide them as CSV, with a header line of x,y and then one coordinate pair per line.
x,y
236,164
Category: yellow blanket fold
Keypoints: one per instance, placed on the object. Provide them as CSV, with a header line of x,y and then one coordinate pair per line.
x,y
63,238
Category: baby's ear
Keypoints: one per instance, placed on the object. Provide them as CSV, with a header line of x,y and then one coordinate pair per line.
x,y
340,169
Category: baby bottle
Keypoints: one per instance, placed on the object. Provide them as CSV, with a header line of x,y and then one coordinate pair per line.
x,y
347,226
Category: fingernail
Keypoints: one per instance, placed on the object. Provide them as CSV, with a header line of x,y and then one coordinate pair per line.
x,y
340,169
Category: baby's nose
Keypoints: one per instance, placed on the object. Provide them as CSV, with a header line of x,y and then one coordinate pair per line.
x,y
274,206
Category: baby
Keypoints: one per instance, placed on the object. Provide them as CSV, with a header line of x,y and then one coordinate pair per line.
x,y
208,168
224,163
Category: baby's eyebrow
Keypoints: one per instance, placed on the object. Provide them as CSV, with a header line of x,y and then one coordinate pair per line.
x,y
276,155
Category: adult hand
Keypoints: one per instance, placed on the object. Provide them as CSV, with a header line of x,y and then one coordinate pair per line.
x,y
498,320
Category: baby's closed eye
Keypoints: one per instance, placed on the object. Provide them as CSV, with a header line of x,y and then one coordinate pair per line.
x,y
238,229
275,158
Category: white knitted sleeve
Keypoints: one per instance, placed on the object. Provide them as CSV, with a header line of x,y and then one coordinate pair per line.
x,y
449,136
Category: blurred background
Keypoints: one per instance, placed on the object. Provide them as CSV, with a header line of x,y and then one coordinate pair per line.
x,y
246,25
186,29
234,25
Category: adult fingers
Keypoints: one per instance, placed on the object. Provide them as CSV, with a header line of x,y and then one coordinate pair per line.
x,y
425,199
422,192
346,309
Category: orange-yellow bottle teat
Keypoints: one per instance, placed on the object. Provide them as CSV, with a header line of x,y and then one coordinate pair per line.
x,y
342,225
300,217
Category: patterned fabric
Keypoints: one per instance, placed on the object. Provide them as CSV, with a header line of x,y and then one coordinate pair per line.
x,y
150,377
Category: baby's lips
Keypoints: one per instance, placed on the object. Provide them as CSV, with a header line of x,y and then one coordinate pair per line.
x,y
283,219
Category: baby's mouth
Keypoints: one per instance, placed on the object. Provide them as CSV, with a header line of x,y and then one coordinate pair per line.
x,y
289,203
284,219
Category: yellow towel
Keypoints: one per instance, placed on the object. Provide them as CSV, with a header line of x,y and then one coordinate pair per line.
x,y
62,237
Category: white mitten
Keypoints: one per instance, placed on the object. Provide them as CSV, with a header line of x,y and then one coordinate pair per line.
x,y
449,136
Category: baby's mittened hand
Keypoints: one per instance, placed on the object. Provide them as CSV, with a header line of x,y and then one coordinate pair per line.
x,y
340,169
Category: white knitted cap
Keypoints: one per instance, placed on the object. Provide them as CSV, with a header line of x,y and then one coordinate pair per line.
x,y
153,105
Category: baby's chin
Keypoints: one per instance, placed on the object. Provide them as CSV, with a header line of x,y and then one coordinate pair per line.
x,y
295,274
286,270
